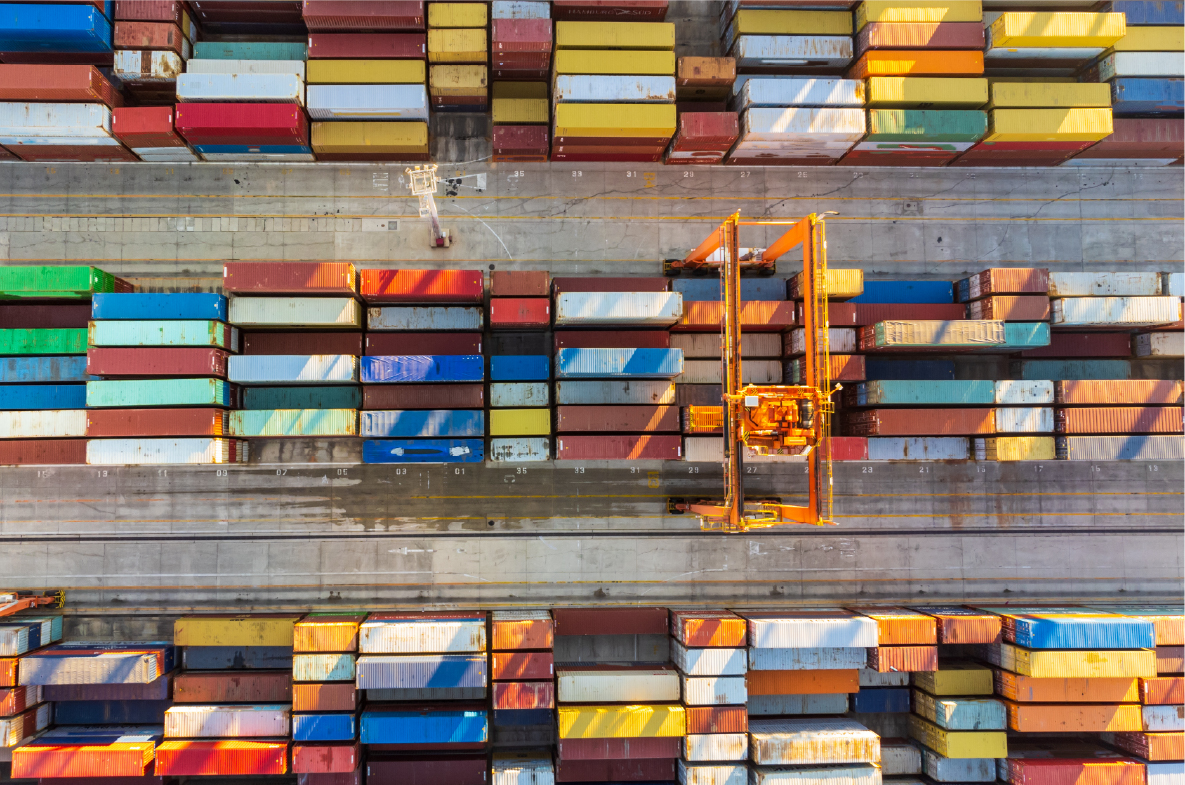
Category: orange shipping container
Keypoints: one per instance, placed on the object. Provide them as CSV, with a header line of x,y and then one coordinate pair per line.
x,y
717,719
706,72
756,315
85,761
918,62
1029,689
1073,717
964,625
1120,392
522,633
1170,659
1163,691
1153,746
214,758
898,659
524,695
8,671
1010,308
820,682
326,633
1119,419
341,696
708,628
902,627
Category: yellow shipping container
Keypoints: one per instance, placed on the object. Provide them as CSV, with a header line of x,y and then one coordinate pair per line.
x,y
519,90
520,422
608,62
917,11
765,22
1074,664
956,678
365,71
327,633
1048,125
1049,95
621,722
457,15
370,136
615,120
457,46
615,35
1019,448
842,284
959,744
1020,29
520,111
1152,39
922,92
447,80
258,630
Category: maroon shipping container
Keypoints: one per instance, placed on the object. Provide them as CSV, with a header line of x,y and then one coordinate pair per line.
x,y
706,131
42,452
439,769
1113,392
1084,345
920,35
521,60
289,278
149,35
233,687
33,315
363,15
158,690
849,448
521,35
717,719
619,448
709,107
1145,137
368,46
337,696
521,665
1119,420
7,156
149,10
421,286
625,419
864,314
156,361
609,11
145,126
521,140
517,313
608,284
522,283
423,396
622,770
459,100
612,621
920,422
250,124
524,695
612,339
660,747
392,344
520,75
326,758
56,83
353,778
303,343
72,153
639,158
120,423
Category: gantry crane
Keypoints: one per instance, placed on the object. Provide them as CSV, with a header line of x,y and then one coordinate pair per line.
x,y
422,181
768,419
14,602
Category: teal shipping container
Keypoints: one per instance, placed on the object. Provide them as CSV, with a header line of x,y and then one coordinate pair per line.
x,y
1069,370
1025,335
926,125
294,422
960,713
111,393
971,392
249,50
323,667
164,333
336,397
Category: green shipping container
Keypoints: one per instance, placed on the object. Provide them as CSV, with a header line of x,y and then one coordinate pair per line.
x,y
336,397
1026,335
926,125
50,340
159,392
249,50
74,282
294,422
163,333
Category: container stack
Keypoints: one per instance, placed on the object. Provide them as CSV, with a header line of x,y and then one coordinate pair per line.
x,y
779,37
791,121
232,704
423,371
521,121
960,728
425,680
153,41
160,393
520,416
613,91
42,361
366,81
1049,43
522,667
306,371
706,132
458,57
907,641
614,389
520,40
24,710
708,648
324,700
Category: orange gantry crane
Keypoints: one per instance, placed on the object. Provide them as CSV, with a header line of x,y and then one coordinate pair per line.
x,y
768,419
14,602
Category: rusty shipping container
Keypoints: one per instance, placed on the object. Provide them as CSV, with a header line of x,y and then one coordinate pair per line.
x,y
920,422
901,659
521,665
22,82
303,343
1119,392
756,315
289,278
611,621
521,283
956,624
116,423
233,687
1119,420
156,362
920,35
524,695
164,36
1010,308
324,697
423,396
717,719
42,452
421,286
628,419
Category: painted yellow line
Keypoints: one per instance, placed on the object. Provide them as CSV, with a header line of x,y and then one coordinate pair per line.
x,y
559,197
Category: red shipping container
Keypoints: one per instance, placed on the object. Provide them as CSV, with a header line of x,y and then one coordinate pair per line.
x,y
1119,419
920,35
706,131
363,15
610,284
609,149
56,83
521,665
94,762
524,695
717,719
156,361
619,448
516,313
661,747
612,339
1162,691
146,780
438,769
250,124
150,35
324,697
41,452
145,126
368,46
31,315
1118,392
756,316
1144,137
849,448
520,35
627,770
626,419
541,157
903,659
326,758
289,278
520,139
49,153
847,367
522,283
423,396
353,778
392,344
920,422
609,10
612,621
221,758
638,158
8,664
14,700
233,687
149,10
303,343
120,423
864,314
705,158
421,286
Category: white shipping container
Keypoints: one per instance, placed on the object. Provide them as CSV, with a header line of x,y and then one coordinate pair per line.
x,y
810,659
1104,284
699,747
235,67
616,686
295,312
845,774
710,344
709,662
418,676
1172,284
900,759
614,89
871,678
503,394
1162,65
260,157
918,448
1025,419
61,141
752,372
233,721
809,125
112,667
166,154
424,318
13,641
812,741
519,449
1117,311
22,118
941,769
1023,393
713,775
798,91
1164,719
236,88
808,629
147,66
519,9
597,308
1160,345
713,690
413,636
821,51
292,369
710,449
1172,773
164,452
1120,448
637,391
323,667
13,729
43,424
777,705
840,340
368,102
519,769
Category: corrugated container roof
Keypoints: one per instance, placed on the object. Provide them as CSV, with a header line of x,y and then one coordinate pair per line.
x,y
757,91
807,741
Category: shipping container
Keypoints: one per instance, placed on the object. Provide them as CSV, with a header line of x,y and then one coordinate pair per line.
x,y
1015,448
519,448
417,726
1119,419
1064,370
245,87
1159,345
39,452
293,369
18,397
148,452
423,396
30,28
43,341
919,448
242,124
613,684
920,422
43,370
160,392
755,316
826,52
812,741
1119,392
368,46
366,72
305,397
1122,312
419,424
932,334
324,697
456,769
210,687
162,333
401,15
415,633
115,423
196,758
927,393
640,447
294,422
424,318
296,312
422,368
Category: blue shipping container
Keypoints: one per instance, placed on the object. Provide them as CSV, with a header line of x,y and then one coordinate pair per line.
x,y
1068,370
43,370
1084,632
1141,95
262,149
876,368
423,451
15,397
523,718
172,307
520,368
324,727
618,363
339,397
423,368
110,712
906,292
422,424
424,727
887,700
31,27
1025,335
709,289
1151,12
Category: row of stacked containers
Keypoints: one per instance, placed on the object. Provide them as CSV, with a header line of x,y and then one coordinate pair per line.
x,y
1008,364
874,695
874,83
